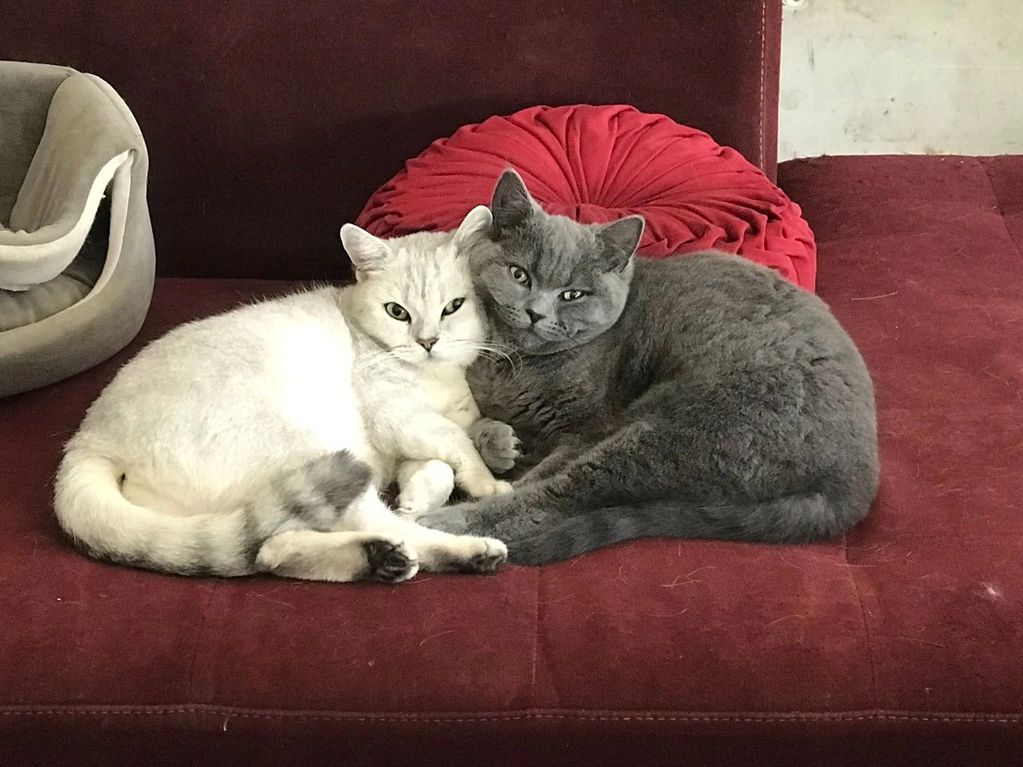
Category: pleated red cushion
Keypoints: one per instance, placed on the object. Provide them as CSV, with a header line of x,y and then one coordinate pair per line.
x,y
598,163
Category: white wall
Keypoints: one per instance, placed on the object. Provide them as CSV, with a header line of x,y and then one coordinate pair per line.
x,y
901,76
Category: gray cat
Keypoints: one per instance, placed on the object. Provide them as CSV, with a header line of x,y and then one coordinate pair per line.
x,y
700,396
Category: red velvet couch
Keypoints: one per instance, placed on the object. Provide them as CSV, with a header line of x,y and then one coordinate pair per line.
x,y
272,122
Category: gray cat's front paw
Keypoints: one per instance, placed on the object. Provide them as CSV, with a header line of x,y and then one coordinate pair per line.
x,y
447,519
497,444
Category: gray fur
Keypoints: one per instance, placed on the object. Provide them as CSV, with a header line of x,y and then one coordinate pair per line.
x,y
719,401
314,496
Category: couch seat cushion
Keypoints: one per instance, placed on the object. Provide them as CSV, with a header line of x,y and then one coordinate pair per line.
x,y
899,645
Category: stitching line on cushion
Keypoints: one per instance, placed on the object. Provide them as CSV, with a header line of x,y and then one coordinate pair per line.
x,y
863,617
797,717
763,84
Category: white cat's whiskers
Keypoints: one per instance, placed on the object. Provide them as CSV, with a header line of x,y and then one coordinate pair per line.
x,y
375,359
491,351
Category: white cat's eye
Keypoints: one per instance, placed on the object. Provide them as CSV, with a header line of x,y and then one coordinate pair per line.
x,y
397,311
519,274
453,307
571,295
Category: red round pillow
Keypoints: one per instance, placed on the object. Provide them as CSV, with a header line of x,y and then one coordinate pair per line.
x,y
598,163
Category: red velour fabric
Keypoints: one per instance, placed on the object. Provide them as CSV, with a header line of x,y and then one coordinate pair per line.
x,y
598,163
899,645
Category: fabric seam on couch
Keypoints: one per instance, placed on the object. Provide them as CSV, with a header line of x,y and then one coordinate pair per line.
x,y
763,82
591,716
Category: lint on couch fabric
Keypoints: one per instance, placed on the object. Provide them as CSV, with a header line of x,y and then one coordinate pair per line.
x,y
76,243
598,163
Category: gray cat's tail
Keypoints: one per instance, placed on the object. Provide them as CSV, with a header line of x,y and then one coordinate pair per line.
x,y
104,524
791,519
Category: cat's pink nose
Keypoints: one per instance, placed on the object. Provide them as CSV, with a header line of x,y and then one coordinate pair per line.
x,y
426,343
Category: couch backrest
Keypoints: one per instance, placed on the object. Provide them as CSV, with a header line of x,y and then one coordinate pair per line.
x,y
270,122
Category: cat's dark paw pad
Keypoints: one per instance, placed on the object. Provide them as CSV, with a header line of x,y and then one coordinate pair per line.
x,y
489,560
449,519
389,561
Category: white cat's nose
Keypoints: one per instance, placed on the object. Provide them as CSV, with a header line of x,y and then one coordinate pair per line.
x,y
426,343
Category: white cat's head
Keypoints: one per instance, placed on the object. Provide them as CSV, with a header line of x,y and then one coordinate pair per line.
x,y
414,294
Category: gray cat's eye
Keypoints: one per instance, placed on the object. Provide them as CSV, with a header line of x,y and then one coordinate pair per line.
x,y
452,307
397,311
571,295
519,274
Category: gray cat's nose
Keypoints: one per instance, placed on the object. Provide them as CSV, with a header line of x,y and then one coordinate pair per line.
x,y
427,343
534,317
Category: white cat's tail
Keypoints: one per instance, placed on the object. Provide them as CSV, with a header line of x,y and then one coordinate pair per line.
x,y
104,524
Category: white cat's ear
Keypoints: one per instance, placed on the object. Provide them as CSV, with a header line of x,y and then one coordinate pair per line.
x,y
511,203
476,224
367,252
621,238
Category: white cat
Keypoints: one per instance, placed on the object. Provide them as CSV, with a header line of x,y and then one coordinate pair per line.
x,y
257,440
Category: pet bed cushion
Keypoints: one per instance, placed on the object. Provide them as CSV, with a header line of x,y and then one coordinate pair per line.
x,y
69,147
598,163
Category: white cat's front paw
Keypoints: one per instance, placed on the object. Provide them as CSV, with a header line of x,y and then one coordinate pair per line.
x,y
410,513
485,555
389,561
482,487
502,488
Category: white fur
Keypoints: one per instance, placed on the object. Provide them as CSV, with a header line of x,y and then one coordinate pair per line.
x,y
178,453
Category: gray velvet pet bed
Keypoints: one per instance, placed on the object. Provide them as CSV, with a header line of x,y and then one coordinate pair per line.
x,y
76,244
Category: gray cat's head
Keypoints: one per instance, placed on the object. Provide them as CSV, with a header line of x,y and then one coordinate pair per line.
x,y
549,283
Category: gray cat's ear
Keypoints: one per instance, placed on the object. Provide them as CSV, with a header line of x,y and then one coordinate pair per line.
x,y
476,224
511,204
621,238
367,252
